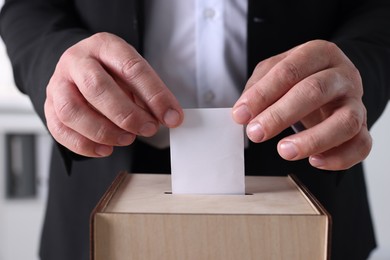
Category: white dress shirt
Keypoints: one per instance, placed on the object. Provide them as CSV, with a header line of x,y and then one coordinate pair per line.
x,y
198,48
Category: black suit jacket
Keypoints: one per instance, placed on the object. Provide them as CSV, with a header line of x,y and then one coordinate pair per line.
x,y
37,32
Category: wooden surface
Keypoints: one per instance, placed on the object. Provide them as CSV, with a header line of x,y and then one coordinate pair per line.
x,y
137,220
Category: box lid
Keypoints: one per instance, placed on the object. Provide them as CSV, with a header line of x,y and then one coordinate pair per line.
x,y
150,193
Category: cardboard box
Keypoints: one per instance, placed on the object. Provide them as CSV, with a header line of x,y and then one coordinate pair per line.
x,y
138,218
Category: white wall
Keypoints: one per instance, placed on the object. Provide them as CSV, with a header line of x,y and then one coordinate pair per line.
x,y
20,219
378,181
20,222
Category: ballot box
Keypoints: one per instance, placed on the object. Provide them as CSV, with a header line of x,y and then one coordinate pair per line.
x,y
277,218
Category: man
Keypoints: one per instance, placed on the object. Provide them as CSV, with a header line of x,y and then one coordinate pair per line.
x,y
80,62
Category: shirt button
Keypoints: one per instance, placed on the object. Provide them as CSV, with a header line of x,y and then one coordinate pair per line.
x,y
209,13
209,96
258,20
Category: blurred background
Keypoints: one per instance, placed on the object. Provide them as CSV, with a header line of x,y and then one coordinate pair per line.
x,y
24,158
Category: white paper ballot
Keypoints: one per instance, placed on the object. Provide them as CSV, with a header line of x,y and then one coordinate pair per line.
x,y
207,153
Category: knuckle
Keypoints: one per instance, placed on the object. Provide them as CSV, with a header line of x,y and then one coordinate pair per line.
x,y
157,97
365,145
351,121
133,67
54,126
330,47
361,149
260,96
288,73
126,120
355,74
64,136
100,36
101,134
274,121
93,84
100,40
80,145
263,63
56,129
315,90
67,111
275,118
356,81
68,56
313,143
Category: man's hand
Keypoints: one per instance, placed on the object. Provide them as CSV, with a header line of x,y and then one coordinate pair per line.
x,y
316,84
102,94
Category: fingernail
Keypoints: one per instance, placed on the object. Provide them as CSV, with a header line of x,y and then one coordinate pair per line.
x,y
288,150
125,139
171,118
242,114
148,129
103,150
255,132
317,160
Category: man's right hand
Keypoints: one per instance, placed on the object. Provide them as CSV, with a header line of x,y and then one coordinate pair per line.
x,y
103,94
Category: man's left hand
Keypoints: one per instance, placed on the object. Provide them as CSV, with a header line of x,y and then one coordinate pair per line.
x,y
315,84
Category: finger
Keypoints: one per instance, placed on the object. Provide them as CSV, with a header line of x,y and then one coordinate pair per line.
x,y
240,111
73,111
120,58
262,68
70,138
305,97
139,102
297,65
342,126
104,94
346,155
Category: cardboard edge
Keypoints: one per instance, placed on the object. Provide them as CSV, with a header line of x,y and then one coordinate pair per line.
x,y
123,175
318,206
102,204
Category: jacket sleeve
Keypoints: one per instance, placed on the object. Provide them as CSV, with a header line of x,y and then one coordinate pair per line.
x,y
36,33
365,38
